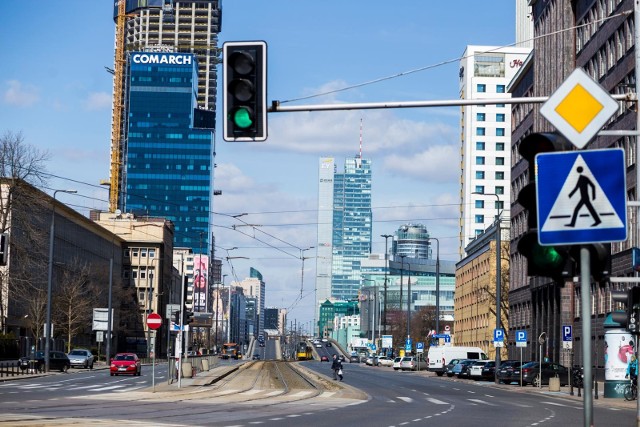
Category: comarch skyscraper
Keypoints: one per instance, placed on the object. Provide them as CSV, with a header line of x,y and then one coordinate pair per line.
x,y
168,84
344,227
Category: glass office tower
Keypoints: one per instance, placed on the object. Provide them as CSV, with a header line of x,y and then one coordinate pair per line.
x,y
168,163
344,199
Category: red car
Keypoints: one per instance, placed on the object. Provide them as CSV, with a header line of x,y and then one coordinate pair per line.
x,y
125,363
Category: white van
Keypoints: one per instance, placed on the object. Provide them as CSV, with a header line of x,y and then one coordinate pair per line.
x,y
439,356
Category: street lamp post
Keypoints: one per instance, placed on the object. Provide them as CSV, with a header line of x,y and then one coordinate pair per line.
x,y
402,257
498,273
437,283
409,302
386,273
229,316
47,333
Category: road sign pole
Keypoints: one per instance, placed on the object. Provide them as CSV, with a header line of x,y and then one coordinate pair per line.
x,y
585,315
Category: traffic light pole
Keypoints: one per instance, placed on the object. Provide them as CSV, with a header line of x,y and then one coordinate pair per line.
x,y
585,302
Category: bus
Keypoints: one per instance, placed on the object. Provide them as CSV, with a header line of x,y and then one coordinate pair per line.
x,y
304,351
230,350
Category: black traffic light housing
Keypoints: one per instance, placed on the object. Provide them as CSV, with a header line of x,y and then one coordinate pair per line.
x,y
631,316
175,317
245,91
600,261
4,248
188,316
543,261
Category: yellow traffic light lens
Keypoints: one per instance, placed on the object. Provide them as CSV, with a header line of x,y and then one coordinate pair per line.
x,y
242,117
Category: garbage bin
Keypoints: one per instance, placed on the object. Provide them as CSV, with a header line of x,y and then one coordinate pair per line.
x,y
187,370
554,384
205,365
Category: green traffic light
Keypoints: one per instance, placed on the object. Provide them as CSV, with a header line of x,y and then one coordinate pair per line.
x,y
242,117
547,257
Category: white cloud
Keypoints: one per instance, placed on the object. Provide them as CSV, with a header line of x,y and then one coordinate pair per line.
x,y
436,164
20,95
98,101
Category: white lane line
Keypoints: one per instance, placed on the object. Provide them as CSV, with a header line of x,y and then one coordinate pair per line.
x,y
436,401
482,402
406,399
556,404
107,388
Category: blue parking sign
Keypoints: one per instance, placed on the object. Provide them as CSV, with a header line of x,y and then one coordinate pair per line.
x,y
567,333
498,334
521,336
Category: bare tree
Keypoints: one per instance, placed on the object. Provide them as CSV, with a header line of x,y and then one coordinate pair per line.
x,y
75,299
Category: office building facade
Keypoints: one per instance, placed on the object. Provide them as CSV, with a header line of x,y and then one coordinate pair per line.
x,y
344,227
485,72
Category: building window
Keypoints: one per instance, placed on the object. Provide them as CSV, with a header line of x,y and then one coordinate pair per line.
x,y
500,88
500,105
500,175
479,160
479,174
479,189
500,161
480,131
480,117
499,146
152,252
479,204
499,190
480,146
499,204
500,117
481,88
479,219
478,232
499,131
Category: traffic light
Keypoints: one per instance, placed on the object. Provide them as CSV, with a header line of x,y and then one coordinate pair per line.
x,y
631,316
245,91
600,261
543,261
4,248
188,317
175,317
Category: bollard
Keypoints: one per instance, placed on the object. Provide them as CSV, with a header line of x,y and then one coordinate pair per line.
x,y
554,384
187,370
205,364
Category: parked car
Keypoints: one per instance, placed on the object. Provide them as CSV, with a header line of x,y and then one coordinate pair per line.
x,y
448,369
354,358
57,361
324,358
396,363
384,361
489,371
475,369
125,363
509,371
531,373
411,363
81,357
327,344
372,360
462,368
440,356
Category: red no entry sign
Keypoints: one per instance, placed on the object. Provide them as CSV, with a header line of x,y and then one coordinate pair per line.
x,y
154,321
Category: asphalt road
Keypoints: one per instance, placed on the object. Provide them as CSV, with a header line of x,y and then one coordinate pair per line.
x,y
394,398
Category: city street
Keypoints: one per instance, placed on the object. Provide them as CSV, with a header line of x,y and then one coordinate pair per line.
x,y
390,398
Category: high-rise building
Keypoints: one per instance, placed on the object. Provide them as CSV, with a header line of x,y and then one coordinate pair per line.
x,y
485,72
164,164
344,227
168,163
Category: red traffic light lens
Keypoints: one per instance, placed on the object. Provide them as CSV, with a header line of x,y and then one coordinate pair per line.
x,y
242,62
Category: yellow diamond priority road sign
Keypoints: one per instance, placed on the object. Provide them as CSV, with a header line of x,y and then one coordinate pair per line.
x,y
579,108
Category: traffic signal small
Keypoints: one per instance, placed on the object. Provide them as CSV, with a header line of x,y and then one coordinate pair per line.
x,y
543,261
629,318
188,317
4,248
175,317
245,91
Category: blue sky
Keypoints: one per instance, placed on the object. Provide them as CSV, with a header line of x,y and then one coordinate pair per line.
x,y
55,90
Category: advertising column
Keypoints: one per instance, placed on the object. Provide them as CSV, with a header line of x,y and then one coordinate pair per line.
x,y
619,346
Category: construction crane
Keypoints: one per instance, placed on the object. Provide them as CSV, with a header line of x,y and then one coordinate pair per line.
x,y
118,108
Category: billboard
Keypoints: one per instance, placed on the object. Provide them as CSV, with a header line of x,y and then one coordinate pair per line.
x,y
200,283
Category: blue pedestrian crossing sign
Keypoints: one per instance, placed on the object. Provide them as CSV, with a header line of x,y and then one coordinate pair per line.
x,y
581,197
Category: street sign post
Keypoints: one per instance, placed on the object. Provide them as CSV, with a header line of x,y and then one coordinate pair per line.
x,y
154,321
498,337
581,197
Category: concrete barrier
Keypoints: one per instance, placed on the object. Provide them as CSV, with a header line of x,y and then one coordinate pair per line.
x,y
187,370
205,365
554,384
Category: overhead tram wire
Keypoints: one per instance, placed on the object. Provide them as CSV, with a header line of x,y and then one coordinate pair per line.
x,y
450,61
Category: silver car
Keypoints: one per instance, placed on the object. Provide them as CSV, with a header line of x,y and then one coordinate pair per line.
x,y
80,357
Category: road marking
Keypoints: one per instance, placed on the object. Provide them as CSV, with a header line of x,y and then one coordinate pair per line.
x,y
107,388
556,404
406,399
482,402
436,401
